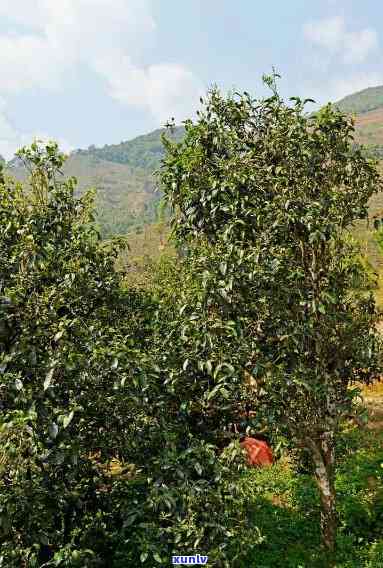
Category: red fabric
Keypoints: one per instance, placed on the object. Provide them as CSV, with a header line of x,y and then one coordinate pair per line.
x,y
258,452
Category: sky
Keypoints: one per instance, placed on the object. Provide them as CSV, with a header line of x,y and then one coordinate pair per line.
x,y
99,72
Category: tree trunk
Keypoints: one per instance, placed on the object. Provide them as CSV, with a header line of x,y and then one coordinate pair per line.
x,y
324,457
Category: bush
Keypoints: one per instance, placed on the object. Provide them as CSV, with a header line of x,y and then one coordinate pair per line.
x,y
108,456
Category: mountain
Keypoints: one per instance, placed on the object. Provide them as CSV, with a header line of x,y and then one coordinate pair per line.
x,y
362,101
143,152
367,105
122,175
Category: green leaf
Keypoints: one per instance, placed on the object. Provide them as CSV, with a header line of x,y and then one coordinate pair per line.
x,y
59,335
143,556
53,430
48,378
322,308
67,419
211,394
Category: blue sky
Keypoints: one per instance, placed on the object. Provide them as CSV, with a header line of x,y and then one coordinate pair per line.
x,y
101,71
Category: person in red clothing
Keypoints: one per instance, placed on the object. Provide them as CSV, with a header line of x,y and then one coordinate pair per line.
x,y
258,452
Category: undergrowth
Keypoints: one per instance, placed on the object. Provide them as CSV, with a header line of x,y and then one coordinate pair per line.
x,y
286,507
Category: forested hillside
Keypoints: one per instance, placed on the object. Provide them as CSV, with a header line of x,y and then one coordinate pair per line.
x,y
367,108
362,101
143,152
122,175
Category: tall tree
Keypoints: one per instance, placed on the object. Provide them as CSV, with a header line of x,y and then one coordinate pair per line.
x,y
272,192
61,351
92,371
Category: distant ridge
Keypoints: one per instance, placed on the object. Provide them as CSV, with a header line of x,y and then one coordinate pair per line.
x,y
362,101
122,174
145,151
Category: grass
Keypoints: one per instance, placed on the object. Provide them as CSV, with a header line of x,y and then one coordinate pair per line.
x,y
286,506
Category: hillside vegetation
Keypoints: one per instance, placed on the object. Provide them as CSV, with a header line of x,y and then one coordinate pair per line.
x,y
369,126
122,175
143,152
367,108
362,101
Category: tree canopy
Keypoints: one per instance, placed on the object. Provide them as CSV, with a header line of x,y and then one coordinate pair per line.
x,y
116,445
95,374
271,193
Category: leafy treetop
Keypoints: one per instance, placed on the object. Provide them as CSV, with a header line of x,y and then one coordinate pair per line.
x,y
269,193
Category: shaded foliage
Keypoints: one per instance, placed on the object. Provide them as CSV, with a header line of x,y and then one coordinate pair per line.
x,y
270,192
92,374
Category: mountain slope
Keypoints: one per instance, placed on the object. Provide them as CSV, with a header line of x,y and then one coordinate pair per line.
x,y
142,152
122,175
369,128
125,196
367,107
362,101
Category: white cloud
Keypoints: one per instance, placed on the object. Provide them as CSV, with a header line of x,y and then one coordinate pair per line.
x,y
326,33
57,36
331,34
11,139
25,12
167,90
28,62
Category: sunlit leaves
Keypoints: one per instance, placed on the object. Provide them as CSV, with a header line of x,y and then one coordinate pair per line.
x,y
264,195
48,378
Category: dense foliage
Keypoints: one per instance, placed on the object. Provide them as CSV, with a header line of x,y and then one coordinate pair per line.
x,y
117,398
122,176
269,192
93,374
